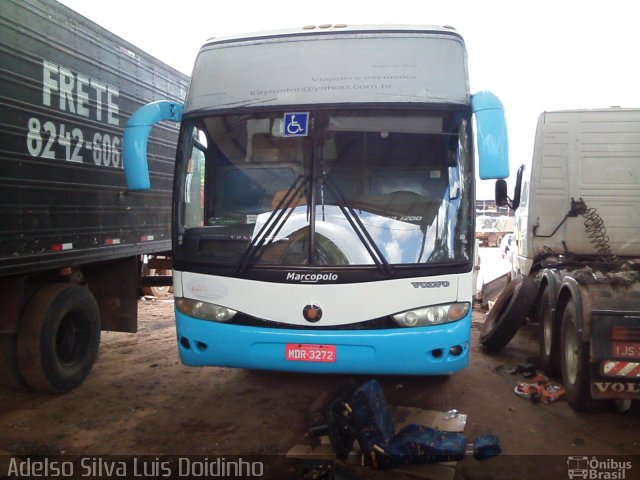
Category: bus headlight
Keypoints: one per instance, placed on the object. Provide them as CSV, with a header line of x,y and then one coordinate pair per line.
x,y
435,315
204,310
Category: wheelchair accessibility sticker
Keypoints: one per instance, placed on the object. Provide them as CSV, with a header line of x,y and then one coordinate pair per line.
x,y
296,124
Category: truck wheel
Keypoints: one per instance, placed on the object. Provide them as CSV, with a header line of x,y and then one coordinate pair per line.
x,y
9,375
627,407
158,292
574,363
549,338
58,337
508,313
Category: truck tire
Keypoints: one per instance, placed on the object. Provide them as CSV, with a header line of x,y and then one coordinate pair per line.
x,y
158,292
508,313
574,363
58,337
627,407
549,336
9,375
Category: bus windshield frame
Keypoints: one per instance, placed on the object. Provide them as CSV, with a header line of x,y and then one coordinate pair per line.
x,y
382,189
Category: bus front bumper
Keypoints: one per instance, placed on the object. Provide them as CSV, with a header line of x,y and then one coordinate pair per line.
x,y
433,350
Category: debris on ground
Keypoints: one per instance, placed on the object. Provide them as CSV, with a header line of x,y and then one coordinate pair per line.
x,y
364,430
527,370
324,470
539,388
506,370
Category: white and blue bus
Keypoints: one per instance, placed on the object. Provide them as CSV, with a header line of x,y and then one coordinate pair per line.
x,y
323,216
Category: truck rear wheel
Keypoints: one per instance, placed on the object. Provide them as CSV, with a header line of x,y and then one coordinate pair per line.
x,y
9,375
574,363
549,335
58,337
508,313
627,407
158,292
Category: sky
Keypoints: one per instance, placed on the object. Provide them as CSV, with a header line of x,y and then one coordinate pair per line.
x,y
535,55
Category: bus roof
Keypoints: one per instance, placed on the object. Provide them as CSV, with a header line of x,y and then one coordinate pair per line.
x,y
331,65
333,29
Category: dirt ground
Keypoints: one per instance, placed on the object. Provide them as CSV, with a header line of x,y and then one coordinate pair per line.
x,y
140,400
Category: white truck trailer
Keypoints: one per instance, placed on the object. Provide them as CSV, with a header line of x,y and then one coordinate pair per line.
x,y
576,262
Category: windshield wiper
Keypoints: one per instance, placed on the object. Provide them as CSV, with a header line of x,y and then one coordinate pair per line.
x,y
358,227
275,221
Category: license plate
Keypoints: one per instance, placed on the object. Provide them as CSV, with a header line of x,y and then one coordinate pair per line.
x,y
297,352
626,349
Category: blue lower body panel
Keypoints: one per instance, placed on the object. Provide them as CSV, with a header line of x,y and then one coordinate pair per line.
x,y
434,350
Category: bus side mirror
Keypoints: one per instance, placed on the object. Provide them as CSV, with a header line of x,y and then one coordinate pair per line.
x,y
502,198
136,139
493,145
501,193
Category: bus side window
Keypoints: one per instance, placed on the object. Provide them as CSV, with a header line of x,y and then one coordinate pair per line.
x,y
194,189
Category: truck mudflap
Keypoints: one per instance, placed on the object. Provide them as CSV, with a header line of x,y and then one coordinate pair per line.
x,y
615,355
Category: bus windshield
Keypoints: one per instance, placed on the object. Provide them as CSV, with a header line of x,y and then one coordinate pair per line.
x,y
358,187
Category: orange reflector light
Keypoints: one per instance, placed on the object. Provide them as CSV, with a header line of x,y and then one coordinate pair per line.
x,y
625,334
